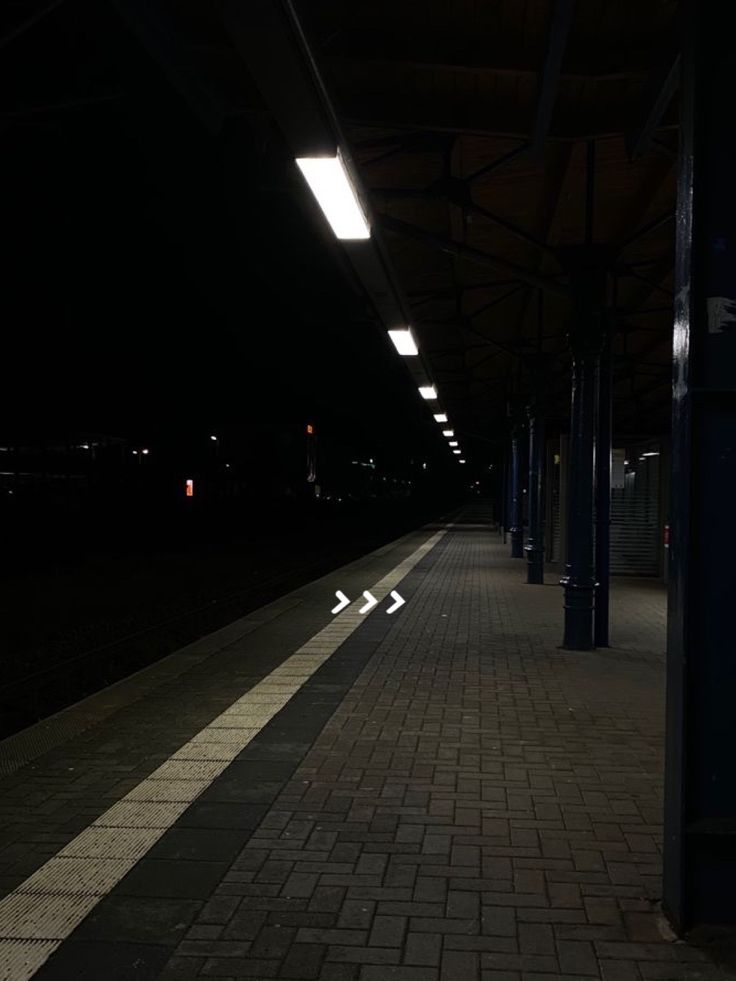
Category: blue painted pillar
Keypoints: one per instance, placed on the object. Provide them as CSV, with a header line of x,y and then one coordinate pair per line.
x,y
699,884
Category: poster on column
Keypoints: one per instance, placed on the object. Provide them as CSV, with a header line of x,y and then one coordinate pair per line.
x,y
618,469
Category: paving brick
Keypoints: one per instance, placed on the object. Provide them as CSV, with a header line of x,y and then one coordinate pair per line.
x,y
397,974
388,931
364,955
327,899
499,921
303,962
356,913
463,904
423,948
577,957
459,966
536,938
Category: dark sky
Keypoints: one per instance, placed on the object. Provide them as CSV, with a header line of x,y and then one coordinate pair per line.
x,y
161,277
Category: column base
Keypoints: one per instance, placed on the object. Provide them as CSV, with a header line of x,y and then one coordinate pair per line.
x,y
579,605
535,564
517,543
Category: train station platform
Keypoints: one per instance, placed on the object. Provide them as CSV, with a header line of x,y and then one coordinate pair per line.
x,y
434,794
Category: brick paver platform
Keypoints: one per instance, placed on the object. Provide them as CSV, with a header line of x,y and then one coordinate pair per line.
x,y
482,805
477,805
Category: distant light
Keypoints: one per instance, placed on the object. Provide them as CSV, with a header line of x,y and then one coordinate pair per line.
x,y
440,417
424,466
329,182
190,487
461,461
84,446
626,463
135,452
429,392
370,459
448,432
213,438
404,342
227,466
651,453
642,458
453,442
310,429
457,452
145,452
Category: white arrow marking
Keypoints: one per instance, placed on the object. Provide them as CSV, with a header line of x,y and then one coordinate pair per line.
x,y
399,602
344,601
370,604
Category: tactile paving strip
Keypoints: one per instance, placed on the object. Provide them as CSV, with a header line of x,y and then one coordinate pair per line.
x,y
77,876
42,916
20,959
49,905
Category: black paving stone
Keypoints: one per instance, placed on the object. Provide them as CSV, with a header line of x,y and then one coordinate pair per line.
x,y
165,878
137,919
76,960
200,844
208,814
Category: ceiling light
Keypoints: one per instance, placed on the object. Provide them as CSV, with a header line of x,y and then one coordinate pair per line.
x,y
453,442
404,342
329,182
428,392
461,461
448,432
457,452
651,453
440,417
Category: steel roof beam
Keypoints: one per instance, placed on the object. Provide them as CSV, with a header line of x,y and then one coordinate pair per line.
x,y
473,255
658,94
550,76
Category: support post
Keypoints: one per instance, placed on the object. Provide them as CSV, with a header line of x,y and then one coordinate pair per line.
x,y
517,530
564,497
699,885
534,547
587,274
603,498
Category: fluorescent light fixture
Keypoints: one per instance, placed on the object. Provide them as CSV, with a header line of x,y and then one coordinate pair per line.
x,y
453,442
329,182
404,342
440,417
428,392
461,461
457,452
651,453
448,432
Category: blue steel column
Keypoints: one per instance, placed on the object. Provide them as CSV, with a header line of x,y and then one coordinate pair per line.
x,y
517,519
603,498
534,547
699,884
587,276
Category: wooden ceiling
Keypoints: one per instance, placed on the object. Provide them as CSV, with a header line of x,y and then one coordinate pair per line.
x,y
489,135
475,127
